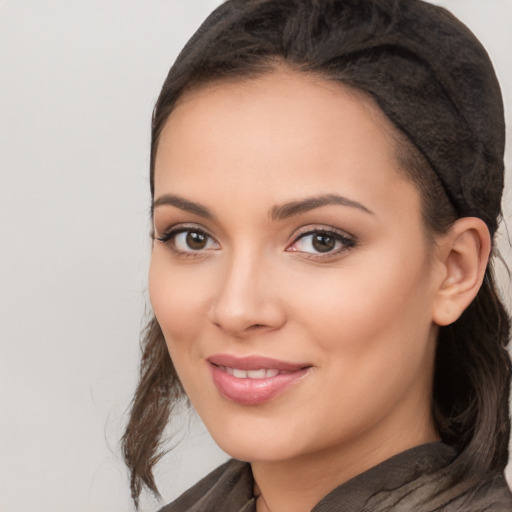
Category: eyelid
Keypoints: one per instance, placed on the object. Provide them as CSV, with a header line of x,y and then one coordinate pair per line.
x,y
179,228
319,228
347,240
173,231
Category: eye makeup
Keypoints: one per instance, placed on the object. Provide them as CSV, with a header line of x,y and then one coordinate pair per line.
x,y
311,242
188,240
321,242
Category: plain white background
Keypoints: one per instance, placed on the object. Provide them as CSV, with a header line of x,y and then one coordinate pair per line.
x,y
78,80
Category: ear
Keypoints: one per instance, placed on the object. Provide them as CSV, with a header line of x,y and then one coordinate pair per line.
x,y
463,254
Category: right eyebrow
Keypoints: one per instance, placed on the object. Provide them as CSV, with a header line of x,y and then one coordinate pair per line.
x,y
182,204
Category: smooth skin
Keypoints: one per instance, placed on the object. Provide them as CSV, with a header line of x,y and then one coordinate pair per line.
x,y
355,289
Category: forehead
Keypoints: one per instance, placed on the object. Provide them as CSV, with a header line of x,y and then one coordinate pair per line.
x,y
286,91
276,135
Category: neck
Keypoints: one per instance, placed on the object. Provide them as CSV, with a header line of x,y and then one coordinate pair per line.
x,y
298,484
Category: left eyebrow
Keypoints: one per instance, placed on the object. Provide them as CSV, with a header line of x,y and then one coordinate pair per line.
x,y
292,208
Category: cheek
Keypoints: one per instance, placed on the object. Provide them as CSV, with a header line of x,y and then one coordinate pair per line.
x,y
179,299
372,334
376,307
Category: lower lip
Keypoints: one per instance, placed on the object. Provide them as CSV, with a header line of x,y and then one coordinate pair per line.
x,y
253,391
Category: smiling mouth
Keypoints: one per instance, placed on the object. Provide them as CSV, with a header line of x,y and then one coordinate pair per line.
x,y
262,373
254,380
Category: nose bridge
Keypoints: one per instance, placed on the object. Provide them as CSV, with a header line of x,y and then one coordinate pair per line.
x,y
245,297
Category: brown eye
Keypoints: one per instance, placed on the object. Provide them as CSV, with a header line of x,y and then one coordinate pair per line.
x,y
196,241
191,240
323,242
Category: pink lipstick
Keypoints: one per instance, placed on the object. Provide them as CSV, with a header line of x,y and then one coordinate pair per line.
x,y
253,380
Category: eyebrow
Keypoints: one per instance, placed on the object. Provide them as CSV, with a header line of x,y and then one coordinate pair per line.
x,y
182,204
292,208
278,212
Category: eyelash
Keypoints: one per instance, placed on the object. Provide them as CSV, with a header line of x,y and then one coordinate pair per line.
x,y
169,238
347,242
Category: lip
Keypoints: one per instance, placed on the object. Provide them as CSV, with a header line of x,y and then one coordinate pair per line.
x,y
254,391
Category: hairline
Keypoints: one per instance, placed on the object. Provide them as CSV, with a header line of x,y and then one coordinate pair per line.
x,y
411,163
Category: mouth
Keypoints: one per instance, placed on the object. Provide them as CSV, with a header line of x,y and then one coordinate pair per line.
x,y
254,380
262,373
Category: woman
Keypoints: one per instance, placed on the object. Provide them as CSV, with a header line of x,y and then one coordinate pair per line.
x,y
326,180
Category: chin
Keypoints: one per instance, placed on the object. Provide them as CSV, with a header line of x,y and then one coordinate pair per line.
x,y
251,450
255,442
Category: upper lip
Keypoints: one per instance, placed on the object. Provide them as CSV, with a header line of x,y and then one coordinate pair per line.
x,y
254,363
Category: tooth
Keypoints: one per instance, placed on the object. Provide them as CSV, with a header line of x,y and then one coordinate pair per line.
x,y
241,374
272,372
257,374
229,370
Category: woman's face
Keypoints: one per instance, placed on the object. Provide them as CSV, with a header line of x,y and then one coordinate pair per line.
x,y
290,273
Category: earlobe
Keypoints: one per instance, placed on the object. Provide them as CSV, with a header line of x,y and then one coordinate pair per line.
x,y
464,254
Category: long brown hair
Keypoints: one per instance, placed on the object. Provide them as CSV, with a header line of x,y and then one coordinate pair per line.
x,y
245,38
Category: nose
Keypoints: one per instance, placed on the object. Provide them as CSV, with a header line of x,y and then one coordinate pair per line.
x,y
246,301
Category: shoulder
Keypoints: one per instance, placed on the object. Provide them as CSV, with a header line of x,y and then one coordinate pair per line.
x,y
421,479
229,485
491,494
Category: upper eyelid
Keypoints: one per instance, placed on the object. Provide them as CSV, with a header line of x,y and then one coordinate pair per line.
x,y
345,238
180,227
169,236
311,229
301,232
